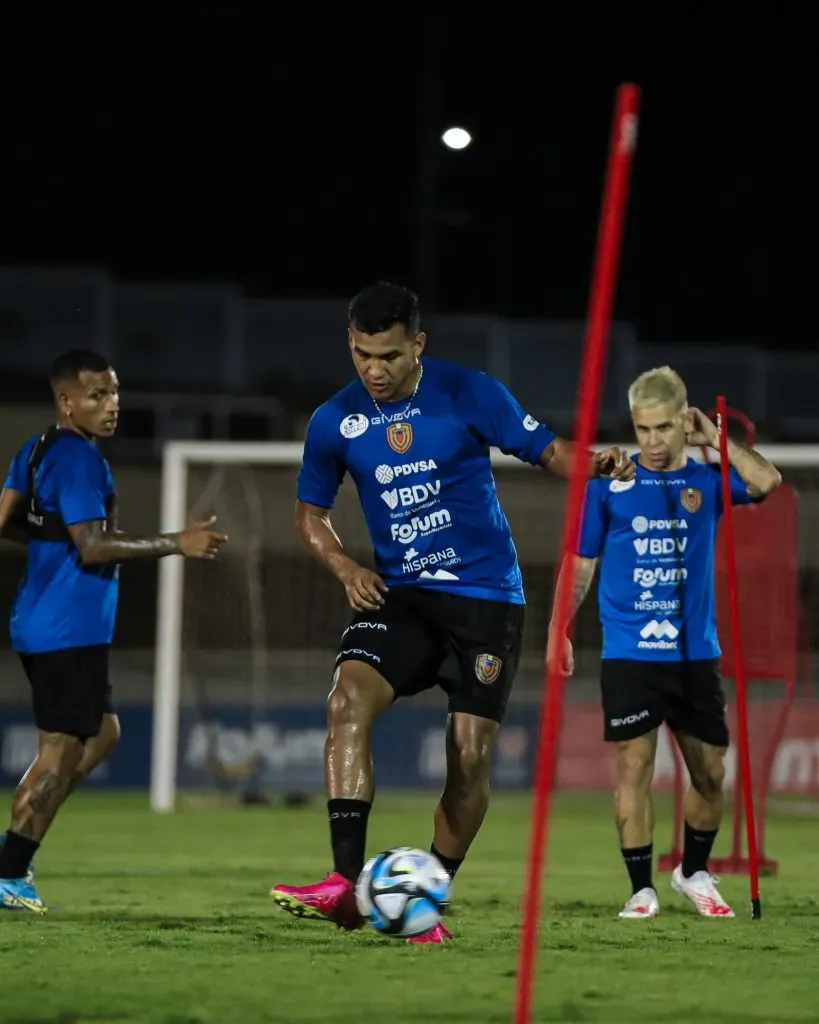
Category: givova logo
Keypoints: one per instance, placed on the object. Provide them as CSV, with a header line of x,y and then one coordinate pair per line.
x,y
419,526
393,417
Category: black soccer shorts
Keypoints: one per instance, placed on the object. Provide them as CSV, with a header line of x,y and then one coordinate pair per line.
x,y
639,696
70,690
422,638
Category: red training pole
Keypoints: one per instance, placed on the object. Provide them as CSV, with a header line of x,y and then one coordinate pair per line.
x,y
601,302
739,665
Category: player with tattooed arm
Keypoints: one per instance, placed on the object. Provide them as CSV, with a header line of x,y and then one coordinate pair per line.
x,y
59,500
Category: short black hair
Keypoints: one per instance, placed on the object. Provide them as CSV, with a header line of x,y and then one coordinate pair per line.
x,y
71,364
378,307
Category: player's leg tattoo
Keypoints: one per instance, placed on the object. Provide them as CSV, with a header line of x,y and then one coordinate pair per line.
x,y
633,804
465,798
97,749
45,785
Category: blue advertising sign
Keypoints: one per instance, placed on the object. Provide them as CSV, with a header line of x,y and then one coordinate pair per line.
x,y
285,744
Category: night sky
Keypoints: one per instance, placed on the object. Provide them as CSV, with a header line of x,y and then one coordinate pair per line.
x,y
283,153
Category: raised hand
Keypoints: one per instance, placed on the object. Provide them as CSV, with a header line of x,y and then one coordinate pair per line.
x,y
614,464
198,540
699,430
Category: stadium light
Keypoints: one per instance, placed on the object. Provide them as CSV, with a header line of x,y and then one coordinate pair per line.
x,y
456,138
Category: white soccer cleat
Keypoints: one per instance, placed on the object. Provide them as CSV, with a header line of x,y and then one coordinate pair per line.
x,y
701,889
642,904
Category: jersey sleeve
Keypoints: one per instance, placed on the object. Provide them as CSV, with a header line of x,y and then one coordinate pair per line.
x,y
593,520
322,468
739,489
81,482
17,476
502,423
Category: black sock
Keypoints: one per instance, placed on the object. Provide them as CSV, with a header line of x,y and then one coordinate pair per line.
x,y
348,835
449,864
697,847
639,862
16,854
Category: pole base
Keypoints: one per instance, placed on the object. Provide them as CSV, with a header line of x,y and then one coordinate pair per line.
x,y
731,865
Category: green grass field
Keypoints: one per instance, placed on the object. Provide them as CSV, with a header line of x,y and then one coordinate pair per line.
x,y
167,919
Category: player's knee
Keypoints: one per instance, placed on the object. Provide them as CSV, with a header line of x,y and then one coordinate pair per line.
x,y
472,764
357,696
635,763
60,753
470,750
708,777
109,734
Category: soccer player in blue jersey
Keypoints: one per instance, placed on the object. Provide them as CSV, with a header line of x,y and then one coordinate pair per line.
x,y
444,605
654,538
59,499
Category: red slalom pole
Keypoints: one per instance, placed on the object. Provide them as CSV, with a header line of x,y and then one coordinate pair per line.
x,y
739,669
601,303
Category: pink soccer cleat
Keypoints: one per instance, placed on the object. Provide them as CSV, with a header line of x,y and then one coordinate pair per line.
x,y
438,935
332,899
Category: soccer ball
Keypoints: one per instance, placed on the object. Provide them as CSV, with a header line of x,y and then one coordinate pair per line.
x,y
403,892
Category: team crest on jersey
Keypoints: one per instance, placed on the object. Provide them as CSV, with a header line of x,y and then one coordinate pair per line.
x,y
399,436
487,668
691,498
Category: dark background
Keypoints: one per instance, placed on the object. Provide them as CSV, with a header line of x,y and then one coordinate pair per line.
x,y
284,151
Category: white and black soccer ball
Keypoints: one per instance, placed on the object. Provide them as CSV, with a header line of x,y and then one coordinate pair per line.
x,y
403,892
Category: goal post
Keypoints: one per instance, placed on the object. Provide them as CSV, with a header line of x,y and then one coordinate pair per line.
x,y
218,635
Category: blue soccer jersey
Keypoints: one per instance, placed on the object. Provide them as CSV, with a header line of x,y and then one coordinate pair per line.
x,y
60,602
655,538
424,477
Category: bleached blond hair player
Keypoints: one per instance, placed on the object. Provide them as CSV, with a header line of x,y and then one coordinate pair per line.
x,y
654,538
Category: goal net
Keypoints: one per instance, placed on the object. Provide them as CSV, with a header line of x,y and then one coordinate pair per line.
x,y
246,645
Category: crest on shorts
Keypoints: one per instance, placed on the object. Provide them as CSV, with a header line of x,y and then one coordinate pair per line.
x,y
487,668
399,436
691,499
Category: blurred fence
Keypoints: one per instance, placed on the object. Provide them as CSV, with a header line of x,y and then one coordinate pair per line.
x,y
209,338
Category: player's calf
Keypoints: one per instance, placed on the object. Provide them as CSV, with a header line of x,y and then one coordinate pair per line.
x,y
634,815
47,784
359,695
704,801
37,800
462,808
97,749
